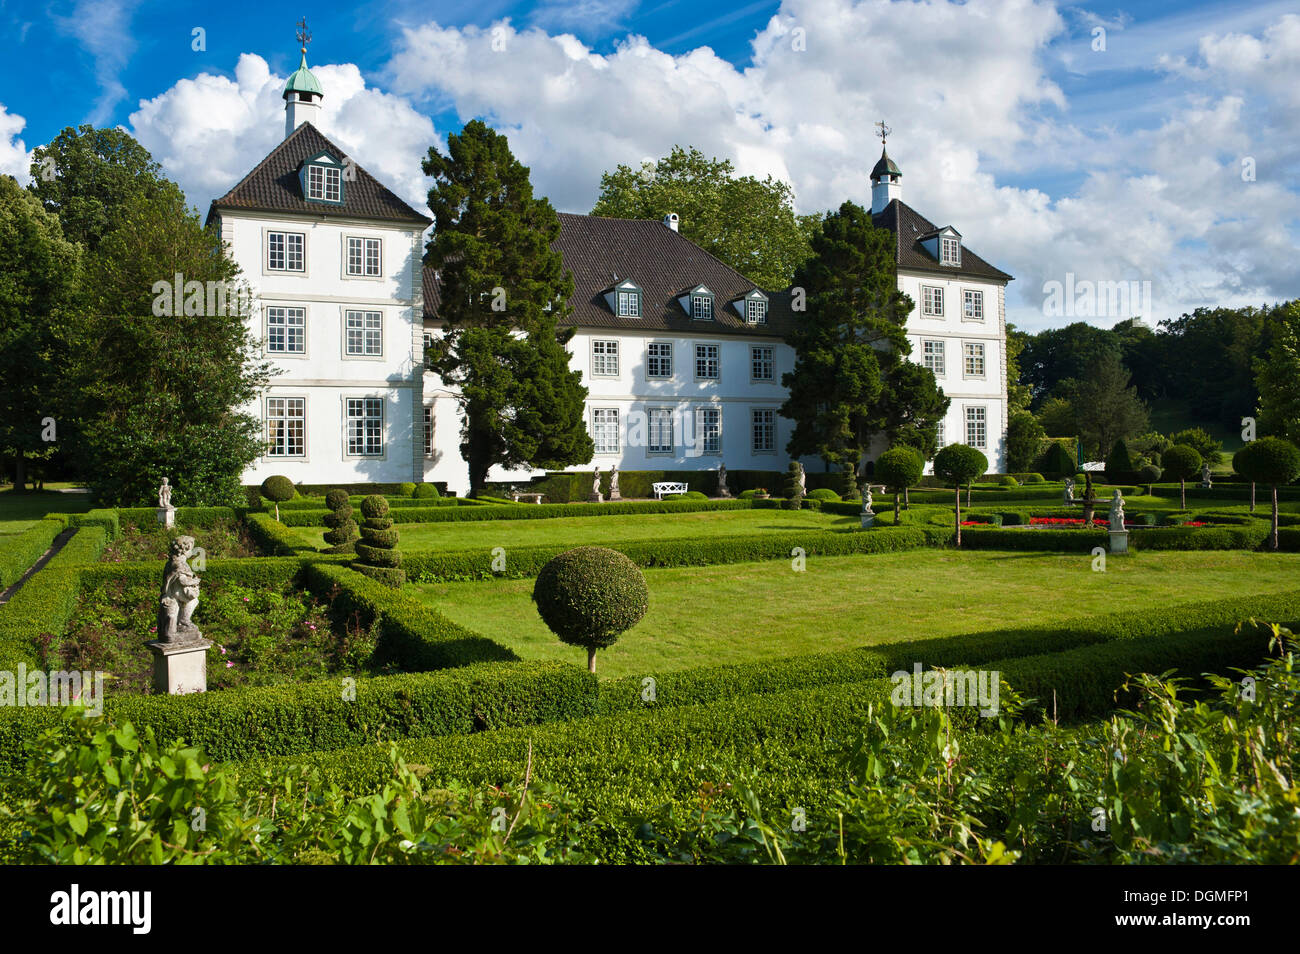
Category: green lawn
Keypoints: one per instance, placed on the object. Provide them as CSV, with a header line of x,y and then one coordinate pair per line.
x,y
702,616
20,511
576,531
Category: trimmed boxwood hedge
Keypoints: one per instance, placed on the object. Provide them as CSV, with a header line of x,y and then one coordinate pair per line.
x,y
86,545
273,537
513,511
18,551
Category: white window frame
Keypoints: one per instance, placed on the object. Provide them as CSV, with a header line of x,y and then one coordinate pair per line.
x,y
669,357
660,450
969,297
977,416
700,439
940,432
628,302
429,421
367,333
283,416
328,183
364,245
286,352
967,357
596,430
717,362
604,357
932,301
754,418
365,435
940,355
756,311
947,242
754,360
701,307
268,236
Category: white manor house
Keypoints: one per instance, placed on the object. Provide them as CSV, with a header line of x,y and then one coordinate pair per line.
x,y
681,354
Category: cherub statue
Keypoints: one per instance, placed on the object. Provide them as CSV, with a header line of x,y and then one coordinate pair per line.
x,y
1117,511
165,496
180,595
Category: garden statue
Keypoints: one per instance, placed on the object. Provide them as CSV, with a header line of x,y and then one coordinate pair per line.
x,y
803,482
613,484
866,498
1069,490
596,495
180,595
1206,483
166,512
722,480
1117,511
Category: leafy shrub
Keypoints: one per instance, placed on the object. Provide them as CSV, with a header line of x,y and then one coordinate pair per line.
x,y
426,492
693,495
589,596
1006,480
380,558
823,493
1032,479
1058,462
406,489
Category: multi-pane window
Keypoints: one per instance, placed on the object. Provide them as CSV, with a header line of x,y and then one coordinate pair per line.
x,y
363,257
629,304
702,306
659,359
286,330
950,251
941,435
974,351
428,352
710,428
363,333
604,357
365,426
286,430
972,305
977,428
935,360
604,429
932,301
706,361
756,311
324,183
284,251
428,430
764,430
760,360
659,427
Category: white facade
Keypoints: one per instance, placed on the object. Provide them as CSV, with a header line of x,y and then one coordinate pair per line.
x,y
334,340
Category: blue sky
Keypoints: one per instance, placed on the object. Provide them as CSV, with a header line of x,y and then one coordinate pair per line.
x,y
1051,156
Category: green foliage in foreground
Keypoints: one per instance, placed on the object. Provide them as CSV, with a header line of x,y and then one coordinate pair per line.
x,y
1175,780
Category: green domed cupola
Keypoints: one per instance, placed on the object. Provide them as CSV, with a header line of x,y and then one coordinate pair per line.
x,y
303,80
302,93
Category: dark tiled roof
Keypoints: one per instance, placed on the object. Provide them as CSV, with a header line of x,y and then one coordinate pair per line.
x,y
909,226
274,186
662,262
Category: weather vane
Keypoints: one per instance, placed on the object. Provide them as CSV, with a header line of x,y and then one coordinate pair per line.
x,y
883,131
304,37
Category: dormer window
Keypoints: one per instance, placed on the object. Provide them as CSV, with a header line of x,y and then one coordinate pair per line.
x,y
322,179
756,311
624,299
702,307
949,250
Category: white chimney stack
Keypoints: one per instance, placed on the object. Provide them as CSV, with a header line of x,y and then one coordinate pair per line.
x,y
671,220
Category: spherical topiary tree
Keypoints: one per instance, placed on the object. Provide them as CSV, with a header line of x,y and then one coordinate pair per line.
x,y
380,558
1269,460
899,468
1149,474
1181,463
589,596
343,529
959,464
278,489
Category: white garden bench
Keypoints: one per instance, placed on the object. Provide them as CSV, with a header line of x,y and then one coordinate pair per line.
x,y
665,487
531,498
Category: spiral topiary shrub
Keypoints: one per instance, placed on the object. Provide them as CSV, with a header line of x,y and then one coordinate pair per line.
x,y
380,558
589,596
846,482
426,492
342,535
278,489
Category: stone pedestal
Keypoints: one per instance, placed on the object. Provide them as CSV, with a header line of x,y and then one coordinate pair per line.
x,y
868,518
596,497
180,668
1119,541
167,516
615,495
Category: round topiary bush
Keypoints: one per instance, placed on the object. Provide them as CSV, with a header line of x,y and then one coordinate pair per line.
x,y
1182,463
426,492
1033,479
824,493
1006,480
589,596
1149,474
380,558
406,489
278,489
342,534
693,495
